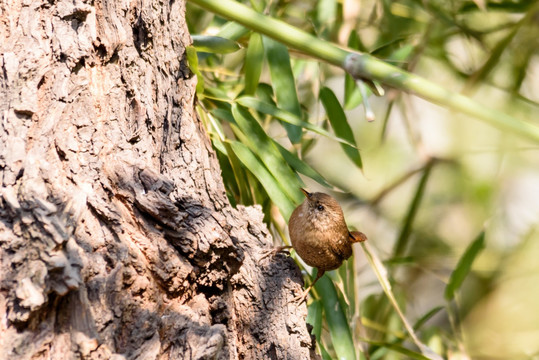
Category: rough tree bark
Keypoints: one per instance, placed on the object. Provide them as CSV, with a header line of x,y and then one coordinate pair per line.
x,y
116,236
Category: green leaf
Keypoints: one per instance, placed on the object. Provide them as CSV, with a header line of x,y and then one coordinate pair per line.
x,y
214,44
272,110
326,16
402,242
494,59
324,352
264,92
422,320
402,53
347,278
217,144
233,31
192,59
223,114
352,95
340,125
464,266
258,5
314,317
254,58
259,142
284,85
231,187
301,166
271,185
239,175
337,321
382,275
409,353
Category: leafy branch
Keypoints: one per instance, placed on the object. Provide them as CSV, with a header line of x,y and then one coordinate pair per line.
x,y
365,66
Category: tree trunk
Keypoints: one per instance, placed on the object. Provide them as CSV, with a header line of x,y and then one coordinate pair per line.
x,y
116,236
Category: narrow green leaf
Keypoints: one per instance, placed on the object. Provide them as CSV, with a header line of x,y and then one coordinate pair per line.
x,y
259,142
402,53
340,125
398,261
326,12
214,44
347,278
352,95
223,114
383,278
388,47
283,83
464,266
218,93
231,187
217,144
324,352
288,117
232,30
271,185
399,349
264,92
495,54
326,15
239,175
418,324
192,59
339,328
402,242
301,166
254,58
386,118
422,320
314,317
258,5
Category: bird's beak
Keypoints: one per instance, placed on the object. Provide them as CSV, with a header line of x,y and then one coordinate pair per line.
x,y
306,193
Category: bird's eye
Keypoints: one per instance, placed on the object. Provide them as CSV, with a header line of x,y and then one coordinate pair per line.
x,y
320,207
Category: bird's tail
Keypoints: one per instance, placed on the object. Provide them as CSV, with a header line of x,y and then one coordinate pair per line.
x,y
357,236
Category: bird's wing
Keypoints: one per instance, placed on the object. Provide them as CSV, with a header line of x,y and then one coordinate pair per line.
x,y
341,247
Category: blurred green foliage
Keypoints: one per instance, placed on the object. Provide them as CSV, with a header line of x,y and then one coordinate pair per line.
x,y
450,205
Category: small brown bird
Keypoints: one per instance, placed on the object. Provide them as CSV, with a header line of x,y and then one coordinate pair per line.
x,y
319,234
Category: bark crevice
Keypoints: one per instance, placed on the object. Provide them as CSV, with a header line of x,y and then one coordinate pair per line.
x,y
116,235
